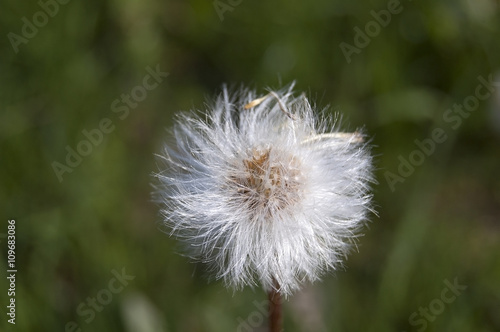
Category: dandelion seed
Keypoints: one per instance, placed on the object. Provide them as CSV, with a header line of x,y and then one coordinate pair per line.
x,y
264,189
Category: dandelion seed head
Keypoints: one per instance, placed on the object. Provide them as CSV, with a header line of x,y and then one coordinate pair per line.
x,y
264,189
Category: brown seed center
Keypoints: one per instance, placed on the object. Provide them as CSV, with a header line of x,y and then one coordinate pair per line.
x,y
269,182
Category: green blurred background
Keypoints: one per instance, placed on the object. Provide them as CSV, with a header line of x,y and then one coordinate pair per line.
x,y
442,223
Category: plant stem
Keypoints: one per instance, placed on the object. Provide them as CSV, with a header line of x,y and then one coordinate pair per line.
x,y
275,311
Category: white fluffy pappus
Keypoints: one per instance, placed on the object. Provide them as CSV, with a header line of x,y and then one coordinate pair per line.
x,y
264,190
